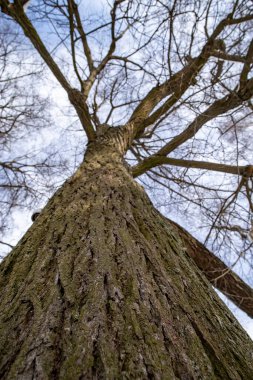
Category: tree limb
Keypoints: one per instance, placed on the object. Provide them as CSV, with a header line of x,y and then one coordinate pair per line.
x,y
217,272
219,107
76,97
178,83
229,57
80,29
154,161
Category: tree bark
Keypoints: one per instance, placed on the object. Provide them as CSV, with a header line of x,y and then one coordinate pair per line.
x,y
217,272
101,287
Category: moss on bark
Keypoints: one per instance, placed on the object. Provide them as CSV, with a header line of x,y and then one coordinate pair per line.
x,y
100,287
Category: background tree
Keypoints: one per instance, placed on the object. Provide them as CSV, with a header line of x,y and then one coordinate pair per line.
x,y
102,285
24,113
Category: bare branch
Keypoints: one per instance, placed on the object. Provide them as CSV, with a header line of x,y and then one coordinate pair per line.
x,y
77,99
154,161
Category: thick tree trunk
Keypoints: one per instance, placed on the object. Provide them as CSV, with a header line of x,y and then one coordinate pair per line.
x,y
100,287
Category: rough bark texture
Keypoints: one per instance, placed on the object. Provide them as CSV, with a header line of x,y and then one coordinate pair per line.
x,y
217,272
100,287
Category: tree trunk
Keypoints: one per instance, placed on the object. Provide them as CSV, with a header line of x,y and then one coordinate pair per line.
x,y
100,287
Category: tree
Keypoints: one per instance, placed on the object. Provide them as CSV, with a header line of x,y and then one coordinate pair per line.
x,y
23,112
101,286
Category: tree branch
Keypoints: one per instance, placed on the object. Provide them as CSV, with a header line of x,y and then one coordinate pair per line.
x,y
217,272
247,64
229,57
108,56
8,245
78,100
178,83
80,29
219,107
154,161
72,41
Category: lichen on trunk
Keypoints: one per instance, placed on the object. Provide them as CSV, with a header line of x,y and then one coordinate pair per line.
x,y
100,287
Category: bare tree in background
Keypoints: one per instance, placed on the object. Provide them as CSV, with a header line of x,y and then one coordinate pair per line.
x,y
23,112
103,285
